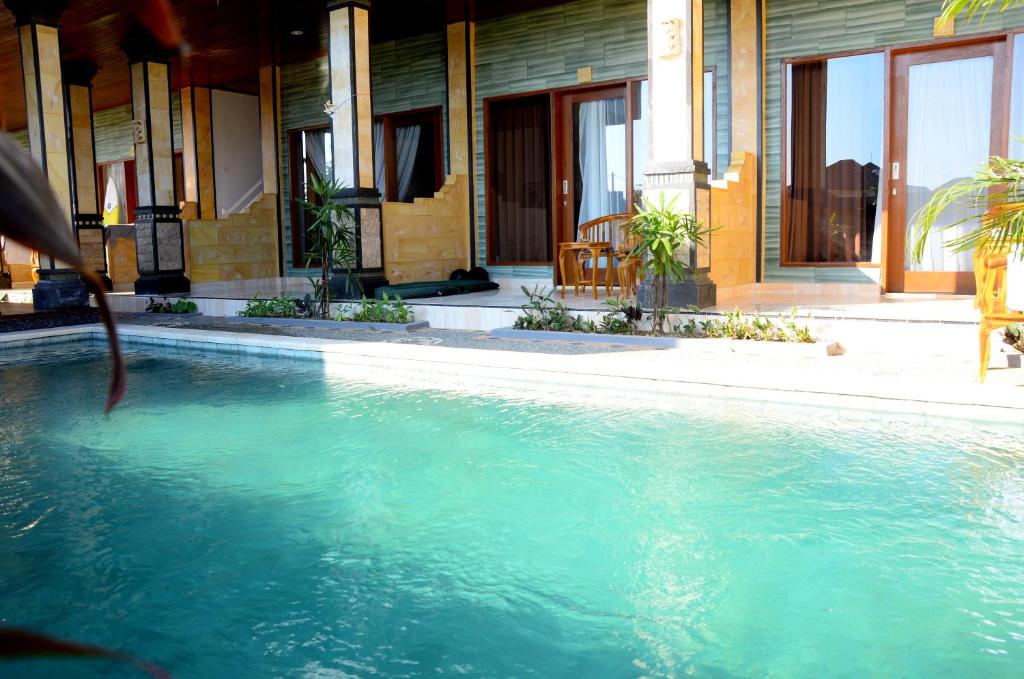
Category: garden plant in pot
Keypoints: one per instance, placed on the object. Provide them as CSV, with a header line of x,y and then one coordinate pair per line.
x,y
332,248
666,239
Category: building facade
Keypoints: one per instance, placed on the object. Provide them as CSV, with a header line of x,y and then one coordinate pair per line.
x,y
483,133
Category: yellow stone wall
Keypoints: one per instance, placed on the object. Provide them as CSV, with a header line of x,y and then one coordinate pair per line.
x,y
241,246
428,239
734,210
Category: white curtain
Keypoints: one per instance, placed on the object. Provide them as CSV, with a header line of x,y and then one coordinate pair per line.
x,y
378,156
948,130
316,151
407,142
597,200
1015,263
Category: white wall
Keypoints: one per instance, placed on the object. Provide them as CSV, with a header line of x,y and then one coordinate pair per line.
x,y
237,160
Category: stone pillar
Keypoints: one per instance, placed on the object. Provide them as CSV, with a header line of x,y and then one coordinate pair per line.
x,y
676,167
159,240
197,151
352,138
48,129
85,201
270,146
744,74
461,119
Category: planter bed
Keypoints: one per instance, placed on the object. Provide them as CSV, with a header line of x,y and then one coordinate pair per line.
x,y
343,325
555,336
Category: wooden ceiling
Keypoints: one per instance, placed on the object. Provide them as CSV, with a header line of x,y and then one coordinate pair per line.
x,y
228,40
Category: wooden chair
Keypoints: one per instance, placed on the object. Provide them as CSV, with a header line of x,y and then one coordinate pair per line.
x,y
990,298
602,237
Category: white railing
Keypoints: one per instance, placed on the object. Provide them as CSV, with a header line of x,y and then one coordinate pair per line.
x,y
247,199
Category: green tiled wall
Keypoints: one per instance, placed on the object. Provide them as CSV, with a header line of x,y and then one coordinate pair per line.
x,y
812,27
716,55
113,130
406,74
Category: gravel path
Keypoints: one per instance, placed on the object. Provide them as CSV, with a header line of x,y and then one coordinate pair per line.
x,y
466,339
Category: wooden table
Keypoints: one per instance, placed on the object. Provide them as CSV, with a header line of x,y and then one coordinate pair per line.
x,y
596,248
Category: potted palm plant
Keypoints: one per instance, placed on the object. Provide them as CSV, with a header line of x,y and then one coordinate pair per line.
x,y
668,242
333,243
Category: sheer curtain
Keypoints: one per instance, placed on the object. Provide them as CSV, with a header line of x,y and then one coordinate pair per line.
x,y
378,157
598,162
316,151
1015,263
407,142
948,135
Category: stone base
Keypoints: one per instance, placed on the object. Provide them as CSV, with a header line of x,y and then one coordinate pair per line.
x,y
162,284
701,294
59,289
342,287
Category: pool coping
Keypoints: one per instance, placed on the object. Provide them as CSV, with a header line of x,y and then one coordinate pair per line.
x,y
519,373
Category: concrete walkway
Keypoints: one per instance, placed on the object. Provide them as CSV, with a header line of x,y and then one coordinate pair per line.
x,y
929,382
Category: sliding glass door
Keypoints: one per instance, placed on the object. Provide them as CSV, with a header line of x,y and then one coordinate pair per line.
x,y
947,121
600,134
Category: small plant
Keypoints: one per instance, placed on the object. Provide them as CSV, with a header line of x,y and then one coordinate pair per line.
x,y
734,325
664,234
1014,336
378,311
332,236
180,306
275,307
543,313
624,318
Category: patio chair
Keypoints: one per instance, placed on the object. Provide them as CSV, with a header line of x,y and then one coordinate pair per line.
x,y
990,298
605,237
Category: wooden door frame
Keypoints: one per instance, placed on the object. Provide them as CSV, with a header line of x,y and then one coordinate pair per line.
x,y
558,156
894,278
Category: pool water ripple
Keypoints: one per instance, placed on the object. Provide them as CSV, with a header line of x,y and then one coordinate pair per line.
x,y
243,516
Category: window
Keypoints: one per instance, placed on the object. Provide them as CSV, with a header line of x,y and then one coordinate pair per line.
x,y
1017,99
310,156
834,127
407,154
519,181
710,149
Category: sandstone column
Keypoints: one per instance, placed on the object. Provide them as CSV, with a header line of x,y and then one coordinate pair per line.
x,y
676,166
460,34
197,151
352,139
159,241
49,129
270,145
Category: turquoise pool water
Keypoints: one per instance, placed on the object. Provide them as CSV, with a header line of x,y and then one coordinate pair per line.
x,y
252,517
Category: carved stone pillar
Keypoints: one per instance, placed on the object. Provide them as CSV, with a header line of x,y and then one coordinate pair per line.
x,y
676,167
159,240
352,138
48,129
85,202
460,35
197,151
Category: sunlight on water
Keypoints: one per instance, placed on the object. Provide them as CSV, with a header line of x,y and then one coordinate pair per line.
x,y
250,517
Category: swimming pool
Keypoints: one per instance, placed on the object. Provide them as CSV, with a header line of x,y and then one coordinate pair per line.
x,y
256,517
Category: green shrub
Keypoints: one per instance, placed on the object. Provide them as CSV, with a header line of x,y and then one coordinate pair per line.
x,y
275,307
1014,336
543,313
734,325
180,306
378,311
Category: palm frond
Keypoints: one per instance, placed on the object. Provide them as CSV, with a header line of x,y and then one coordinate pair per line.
x,y
999,182
971,9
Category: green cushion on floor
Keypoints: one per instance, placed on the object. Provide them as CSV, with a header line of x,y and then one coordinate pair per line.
x,y
434,289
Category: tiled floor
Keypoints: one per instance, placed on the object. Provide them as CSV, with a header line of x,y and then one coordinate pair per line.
x,y
840,302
